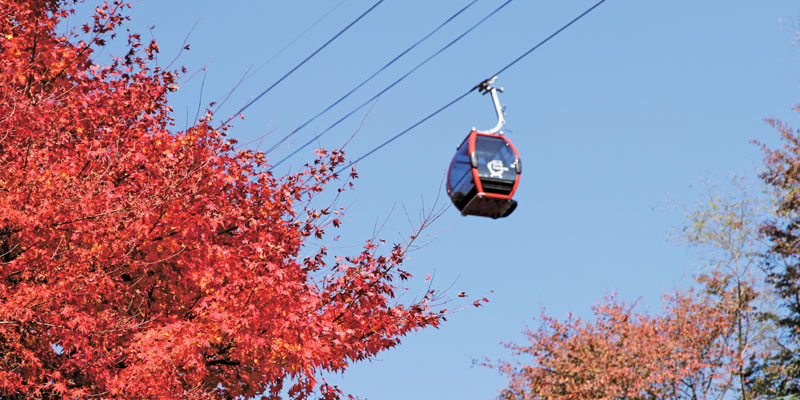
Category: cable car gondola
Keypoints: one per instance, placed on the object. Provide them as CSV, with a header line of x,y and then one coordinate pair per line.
x,y
486,168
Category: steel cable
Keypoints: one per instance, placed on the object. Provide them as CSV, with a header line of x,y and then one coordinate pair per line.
x,y
251,102
425,61
459,98
381,69
298,37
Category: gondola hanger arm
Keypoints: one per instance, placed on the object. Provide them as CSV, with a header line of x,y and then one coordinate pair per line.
x,y
486,87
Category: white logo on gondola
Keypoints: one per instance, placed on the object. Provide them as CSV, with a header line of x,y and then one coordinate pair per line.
x,y
496,168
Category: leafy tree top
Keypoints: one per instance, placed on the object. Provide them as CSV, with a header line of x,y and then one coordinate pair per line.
x,y
138,260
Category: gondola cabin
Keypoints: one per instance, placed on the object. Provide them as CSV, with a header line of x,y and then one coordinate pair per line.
x,y
484,175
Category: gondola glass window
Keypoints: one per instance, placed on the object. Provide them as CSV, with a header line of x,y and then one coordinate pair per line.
x,y
496,164
460,181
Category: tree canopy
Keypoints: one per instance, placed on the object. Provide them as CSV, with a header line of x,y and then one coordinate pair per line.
x,y
779,374
683,354
138,259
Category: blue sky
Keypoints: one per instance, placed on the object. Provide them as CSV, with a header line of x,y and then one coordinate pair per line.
x,y
633,105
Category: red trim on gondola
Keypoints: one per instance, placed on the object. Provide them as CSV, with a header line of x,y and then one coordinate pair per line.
x,y
449,172
516,181
476,178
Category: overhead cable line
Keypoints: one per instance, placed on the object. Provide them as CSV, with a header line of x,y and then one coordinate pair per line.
x,y
547,39
251,102
381,69
299,36
393,138
393,84
459,98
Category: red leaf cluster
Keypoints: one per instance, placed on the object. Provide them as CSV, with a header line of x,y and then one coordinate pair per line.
x,y
684,353
141,261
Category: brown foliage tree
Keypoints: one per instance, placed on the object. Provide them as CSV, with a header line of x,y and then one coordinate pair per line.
x,y
683,354
725,227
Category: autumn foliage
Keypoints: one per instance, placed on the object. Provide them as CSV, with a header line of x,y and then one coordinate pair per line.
x,y
779,374
143,261
683,353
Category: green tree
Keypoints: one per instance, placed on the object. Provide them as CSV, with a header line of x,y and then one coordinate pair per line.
x,y
779,375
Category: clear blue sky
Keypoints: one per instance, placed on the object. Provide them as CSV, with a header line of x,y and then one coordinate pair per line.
x,y
637,102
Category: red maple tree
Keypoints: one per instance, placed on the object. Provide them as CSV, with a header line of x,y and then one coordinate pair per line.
x,y
686,353
142,261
